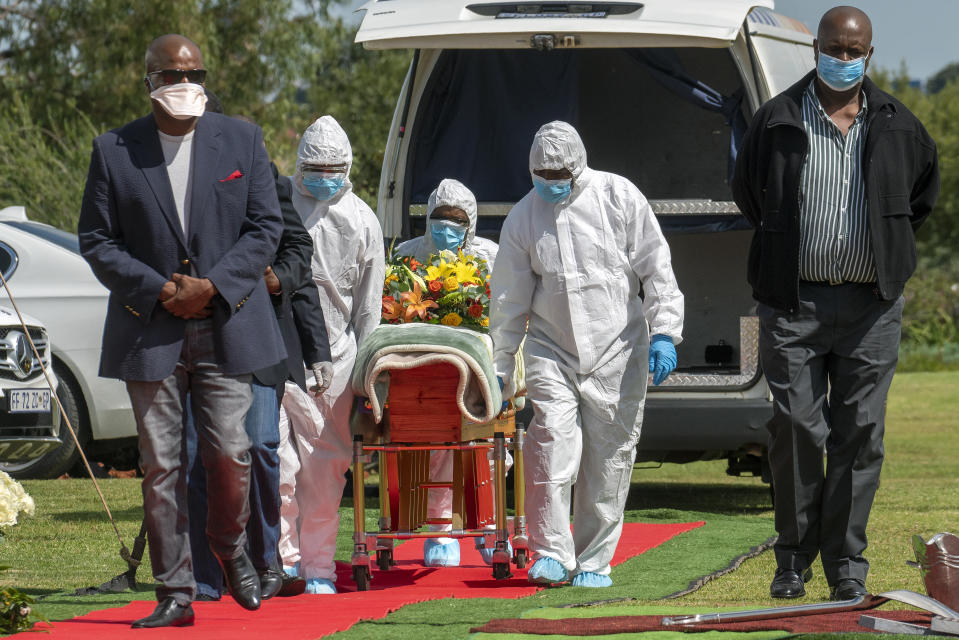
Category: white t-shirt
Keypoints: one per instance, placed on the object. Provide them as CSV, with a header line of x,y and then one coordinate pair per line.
x,y
178,155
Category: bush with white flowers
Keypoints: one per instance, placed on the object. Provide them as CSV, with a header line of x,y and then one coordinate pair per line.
x,y
16,610
13,501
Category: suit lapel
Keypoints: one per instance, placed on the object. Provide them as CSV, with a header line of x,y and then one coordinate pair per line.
x,y
206,151
149,155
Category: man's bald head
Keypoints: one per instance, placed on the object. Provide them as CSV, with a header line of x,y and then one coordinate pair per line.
x,y
844,19
173,51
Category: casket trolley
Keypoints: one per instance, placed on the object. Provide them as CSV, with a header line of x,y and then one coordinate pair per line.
x,y
423,417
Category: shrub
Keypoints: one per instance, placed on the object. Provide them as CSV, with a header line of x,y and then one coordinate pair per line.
x,y
913,357
47,164
931,314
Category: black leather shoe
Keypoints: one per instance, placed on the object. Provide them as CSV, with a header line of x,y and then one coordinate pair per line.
x,y
271,581
292,586
242,580
167,614
847,589
789,583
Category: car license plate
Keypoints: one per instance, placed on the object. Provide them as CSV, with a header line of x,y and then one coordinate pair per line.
x,y
28,400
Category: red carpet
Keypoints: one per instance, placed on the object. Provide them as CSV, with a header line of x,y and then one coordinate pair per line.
x,y
847,621
308,617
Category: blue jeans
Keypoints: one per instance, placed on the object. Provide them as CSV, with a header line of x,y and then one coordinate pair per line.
x,y
263,527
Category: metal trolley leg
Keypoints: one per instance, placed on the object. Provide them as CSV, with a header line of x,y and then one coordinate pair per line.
x,y
501,552
361,557
520,538
384,546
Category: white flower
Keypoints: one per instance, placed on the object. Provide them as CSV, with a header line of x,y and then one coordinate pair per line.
x,y
13,501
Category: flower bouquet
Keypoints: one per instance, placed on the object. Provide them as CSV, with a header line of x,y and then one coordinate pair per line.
x,y
450,289
16,612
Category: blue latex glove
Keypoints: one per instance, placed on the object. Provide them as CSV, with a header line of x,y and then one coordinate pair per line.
x,y
662,357
502,384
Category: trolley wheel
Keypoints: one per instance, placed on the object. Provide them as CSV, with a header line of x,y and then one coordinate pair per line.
x,y
521,558
361,576
501,571
384,559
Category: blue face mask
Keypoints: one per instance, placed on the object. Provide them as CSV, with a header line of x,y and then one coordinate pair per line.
x,y
447,234
552,191
839,75
323,188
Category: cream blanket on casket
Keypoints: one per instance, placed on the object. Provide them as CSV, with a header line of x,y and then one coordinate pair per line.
x,y
405,346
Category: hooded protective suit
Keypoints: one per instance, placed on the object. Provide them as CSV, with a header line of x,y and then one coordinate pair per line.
x,y
348,268
451,193
574,269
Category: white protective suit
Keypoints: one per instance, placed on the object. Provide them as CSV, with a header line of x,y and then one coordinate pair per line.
x,y
451,193
348,268
574,269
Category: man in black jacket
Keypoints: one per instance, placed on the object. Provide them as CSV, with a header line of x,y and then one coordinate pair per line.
x,y
292,291
835,176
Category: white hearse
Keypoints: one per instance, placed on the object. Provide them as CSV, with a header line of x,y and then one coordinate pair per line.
x,y
661,92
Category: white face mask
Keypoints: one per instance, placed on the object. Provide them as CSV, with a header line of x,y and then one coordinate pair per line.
x,y
183,100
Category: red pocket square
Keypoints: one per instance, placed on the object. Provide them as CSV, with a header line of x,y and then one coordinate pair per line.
x,y
233,176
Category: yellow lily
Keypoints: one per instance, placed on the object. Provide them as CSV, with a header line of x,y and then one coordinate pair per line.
x,y
438,272
465,273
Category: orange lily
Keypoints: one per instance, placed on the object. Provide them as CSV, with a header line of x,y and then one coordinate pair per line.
x,y
391,308
415,305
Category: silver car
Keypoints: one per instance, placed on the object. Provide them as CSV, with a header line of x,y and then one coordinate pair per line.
x,y
51,281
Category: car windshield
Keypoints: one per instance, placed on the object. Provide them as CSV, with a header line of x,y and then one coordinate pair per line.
x,y
58,237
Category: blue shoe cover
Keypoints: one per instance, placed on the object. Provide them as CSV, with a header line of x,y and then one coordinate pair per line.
x,y
437,554
292,571
590,579
487,552
547,571
320,585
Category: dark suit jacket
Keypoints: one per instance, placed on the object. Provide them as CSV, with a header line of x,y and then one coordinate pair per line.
x,y
292,269
306,330
130,234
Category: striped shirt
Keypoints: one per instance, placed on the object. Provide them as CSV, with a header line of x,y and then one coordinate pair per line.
x,y
834,241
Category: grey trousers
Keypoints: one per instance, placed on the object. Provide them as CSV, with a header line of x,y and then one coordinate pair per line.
x,y
829,366
219,403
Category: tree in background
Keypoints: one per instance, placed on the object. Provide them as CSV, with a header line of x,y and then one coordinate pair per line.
x,y
70,69
938,81
359,88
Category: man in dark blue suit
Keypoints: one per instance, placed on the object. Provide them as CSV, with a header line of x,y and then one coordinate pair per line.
x,y
293,293
179,221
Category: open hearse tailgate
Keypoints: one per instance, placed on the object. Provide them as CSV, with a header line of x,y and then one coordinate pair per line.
x,y
467,24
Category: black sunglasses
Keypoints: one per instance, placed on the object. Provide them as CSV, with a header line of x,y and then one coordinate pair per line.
x,y
176,76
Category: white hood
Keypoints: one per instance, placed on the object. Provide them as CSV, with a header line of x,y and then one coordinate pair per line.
x,y
324,143
557,145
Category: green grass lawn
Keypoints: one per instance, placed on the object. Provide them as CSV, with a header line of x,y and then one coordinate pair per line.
x,y
70,544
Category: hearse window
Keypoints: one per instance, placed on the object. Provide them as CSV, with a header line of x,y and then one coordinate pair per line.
x,y
657,116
